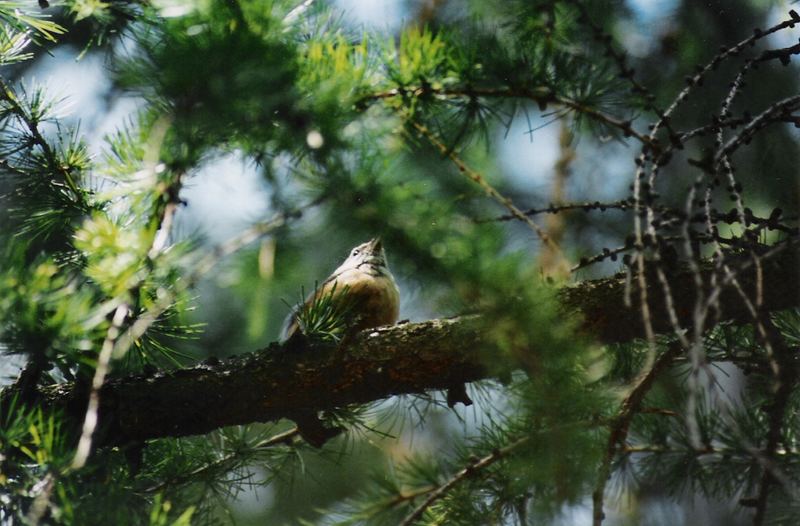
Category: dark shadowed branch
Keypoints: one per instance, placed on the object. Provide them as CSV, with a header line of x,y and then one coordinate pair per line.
x,y
289,380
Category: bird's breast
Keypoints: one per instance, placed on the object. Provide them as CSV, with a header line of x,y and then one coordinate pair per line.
x,y
374,300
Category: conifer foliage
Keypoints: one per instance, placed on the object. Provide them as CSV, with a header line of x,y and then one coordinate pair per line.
x,y
596,357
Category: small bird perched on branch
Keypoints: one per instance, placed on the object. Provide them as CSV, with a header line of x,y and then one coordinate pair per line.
x,y
362,291
360,294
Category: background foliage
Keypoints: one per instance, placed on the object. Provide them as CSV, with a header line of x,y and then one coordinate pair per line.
x,y
120,255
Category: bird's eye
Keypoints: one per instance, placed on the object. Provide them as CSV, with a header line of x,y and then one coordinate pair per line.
x,y
355,252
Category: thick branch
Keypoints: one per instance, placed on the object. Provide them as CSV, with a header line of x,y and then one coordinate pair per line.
x,y
282,381
291,380
601,302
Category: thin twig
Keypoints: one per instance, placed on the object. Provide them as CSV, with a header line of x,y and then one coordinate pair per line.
x,y
540,95
666,213
145,320
487,188
708,450
645,202
621,423
460,476
285,437
100,372
8,95
118,342
164,220
785,379
763,119
621,60
697,78
41,502
401,497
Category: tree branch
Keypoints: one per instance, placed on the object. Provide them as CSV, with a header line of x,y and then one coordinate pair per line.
x,y
621,424
291,379
785,379
473,468
540,95
32,127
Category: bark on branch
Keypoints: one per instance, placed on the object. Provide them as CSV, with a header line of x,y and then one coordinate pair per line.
x,y
280,382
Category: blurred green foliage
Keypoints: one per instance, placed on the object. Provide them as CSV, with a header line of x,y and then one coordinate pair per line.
x,y
329,118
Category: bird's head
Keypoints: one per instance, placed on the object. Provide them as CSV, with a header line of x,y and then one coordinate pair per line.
x,y
369,256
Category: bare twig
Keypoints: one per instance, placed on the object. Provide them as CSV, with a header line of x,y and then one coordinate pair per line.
x,y
41,502
724,54
707,450
783,54
766,117
100,372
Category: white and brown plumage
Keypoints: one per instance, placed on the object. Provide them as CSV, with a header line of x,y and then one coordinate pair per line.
x,y
366,284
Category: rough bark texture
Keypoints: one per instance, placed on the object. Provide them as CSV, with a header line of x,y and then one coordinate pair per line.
x,y
293,380
606,318
298,378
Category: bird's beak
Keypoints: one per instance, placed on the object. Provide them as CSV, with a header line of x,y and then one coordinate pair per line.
x,y
375,244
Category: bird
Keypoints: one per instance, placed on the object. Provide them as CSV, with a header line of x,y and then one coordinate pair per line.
x,y
362,289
